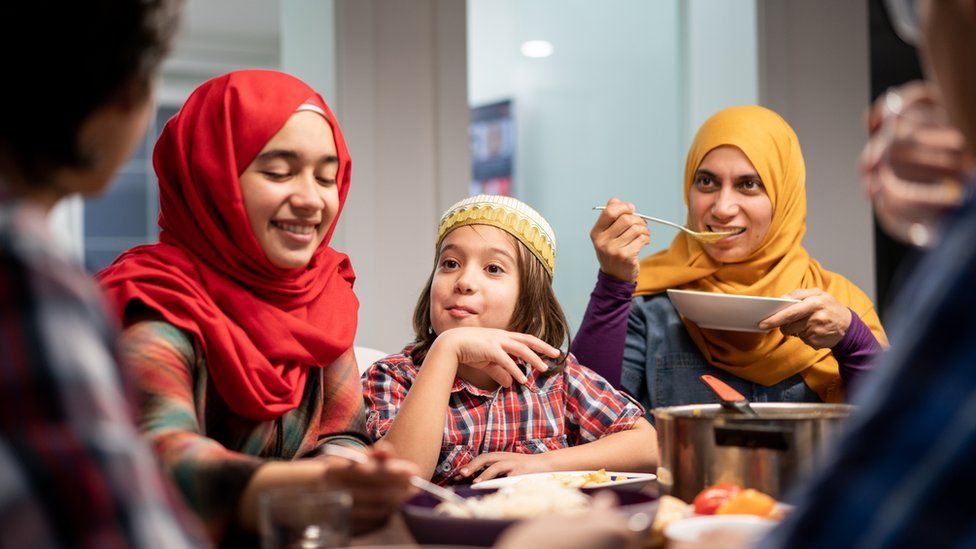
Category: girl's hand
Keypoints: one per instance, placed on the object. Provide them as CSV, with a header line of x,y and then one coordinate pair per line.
x,y
492,350
378,487
819,319
505,463
618,237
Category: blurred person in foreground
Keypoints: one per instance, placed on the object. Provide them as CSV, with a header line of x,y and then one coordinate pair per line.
x,y
74,470
902,475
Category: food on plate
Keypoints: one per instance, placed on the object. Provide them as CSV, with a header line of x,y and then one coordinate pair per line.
x,y
588,479
748,502
708,500
730,499
530,498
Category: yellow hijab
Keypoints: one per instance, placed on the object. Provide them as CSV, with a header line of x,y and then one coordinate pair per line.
x,y
779,266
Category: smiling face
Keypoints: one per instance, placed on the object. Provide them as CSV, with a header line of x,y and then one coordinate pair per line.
x,y
728,194
476,280
290,191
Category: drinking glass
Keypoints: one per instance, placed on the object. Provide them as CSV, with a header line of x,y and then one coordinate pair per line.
x,y
924,169
306,517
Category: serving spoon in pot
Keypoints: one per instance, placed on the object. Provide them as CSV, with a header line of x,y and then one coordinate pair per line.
x,y
443,494
708,237
731,399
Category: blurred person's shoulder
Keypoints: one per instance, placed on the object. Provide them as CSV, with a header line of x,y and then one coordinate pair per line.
x,y
37,272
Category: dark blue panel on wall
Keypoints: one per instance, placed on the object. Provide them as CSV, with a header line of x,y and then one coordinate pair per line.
x,y
98,260
121,212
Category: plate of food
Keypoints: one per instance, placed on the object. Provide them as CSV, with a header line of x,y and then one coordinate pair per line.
x,y
488,513
737,313
577,479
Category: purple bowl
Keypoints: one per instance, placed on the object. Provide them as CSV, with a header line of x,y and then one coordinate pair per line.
x,y
428,527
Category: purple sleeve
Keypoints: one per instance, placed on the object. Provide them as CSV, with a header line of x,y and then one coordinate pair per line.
x,y
855,353
599,343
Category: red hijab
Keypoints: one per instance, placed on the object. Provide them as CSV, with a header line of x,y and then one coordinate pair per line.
x,y
261,327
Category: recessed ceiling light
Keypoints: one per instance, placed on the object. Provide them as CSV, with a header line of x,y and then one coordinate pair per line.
x,y
537,48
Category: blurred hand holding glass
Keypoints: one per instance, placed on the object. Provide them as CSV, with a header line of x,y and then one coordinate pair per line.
x,y
917,166
309,517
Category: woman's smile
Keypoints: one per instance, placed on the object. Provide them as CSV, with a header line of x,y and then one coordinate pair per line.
x,y
728,195
289,190
737,230
301,232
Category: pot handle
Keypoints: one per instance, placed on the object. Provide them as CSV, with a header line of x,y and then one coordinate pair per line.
x,y
769,437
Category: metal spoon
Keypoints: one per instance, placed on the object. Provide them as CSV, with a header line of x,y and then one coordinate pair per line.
x,y
708,237
441,493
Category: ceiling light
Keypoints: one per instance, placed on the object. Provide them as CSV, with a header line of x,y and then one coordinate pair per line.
x,y
537,48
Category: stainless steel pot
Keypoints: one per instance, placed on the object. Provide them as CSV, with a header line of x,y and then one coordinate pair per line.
x,y
702,445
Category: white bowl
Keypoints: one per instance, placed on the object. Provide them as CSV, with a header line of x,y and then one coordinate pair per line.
x,y
725,531
737,313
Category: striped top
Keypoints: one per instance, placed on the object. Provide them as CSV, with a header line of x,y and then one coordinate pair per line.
x,y
210,452
549,412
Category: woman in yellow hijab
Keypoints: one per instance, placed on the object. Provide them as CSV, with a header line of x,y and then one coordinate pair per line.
x,y
744,172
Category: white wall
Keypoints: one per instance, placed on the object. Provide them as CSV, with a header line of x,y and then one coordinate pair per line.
x,y
816,73
721,58
218,36
401,96
308,44
612,111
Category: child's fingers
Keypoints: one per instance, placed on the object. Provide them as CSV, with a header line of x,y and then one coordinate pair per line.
x,y
499,374
521,350
483,460
536,344
511,368
494,470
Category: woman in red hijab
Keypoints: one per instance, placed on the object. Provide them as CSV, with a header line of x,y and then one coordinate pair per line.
x,y
239,324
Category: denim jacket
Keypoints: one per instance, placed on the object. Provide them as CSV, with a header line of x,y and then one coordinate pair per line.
x,y
662,364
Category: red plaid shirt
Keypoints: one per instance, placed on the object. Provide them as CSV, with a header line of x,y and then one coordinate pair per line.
x,y
74,470
550,412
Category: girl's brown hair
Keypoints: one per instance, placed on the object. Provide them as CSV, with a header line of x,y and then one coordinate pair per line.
x,y
537,312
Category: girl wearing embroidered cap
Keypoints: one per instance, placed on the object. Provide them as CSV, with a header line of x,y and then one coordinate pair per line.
x,y
486,356
239,324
